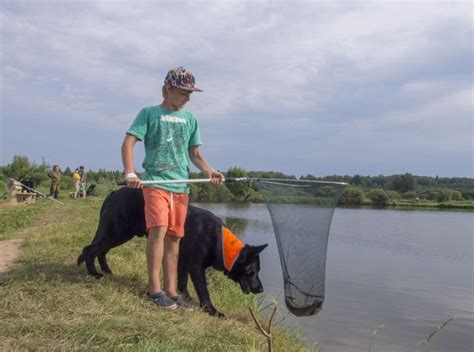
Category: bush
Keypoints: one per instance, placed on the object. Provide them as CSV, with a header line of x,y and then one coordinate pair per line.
x,y
409,195
456,195
393,195
351,196
378,197
206,192
439,195
467,194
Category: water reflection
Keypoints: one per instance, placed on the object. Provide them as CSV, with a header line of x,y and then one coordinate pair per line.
x,y
236,225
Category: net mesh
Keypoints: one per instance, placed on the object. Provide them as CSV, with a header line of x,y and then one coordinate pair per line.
x,y
301,213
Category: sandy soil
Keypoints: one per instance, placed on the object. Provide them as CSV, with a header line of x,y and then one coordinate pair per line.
x,y
9,250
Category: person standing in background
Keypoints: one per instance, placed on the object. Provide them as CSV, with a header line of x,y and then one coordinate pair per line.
x,y
55,176
76,177
83,180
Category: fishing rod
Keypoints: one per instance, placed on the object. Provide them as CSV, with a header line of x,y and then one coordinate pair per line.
x,y
35,191
21,179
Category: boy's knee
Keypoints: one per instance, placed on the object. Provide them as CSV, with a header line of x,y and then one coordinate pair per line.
x,y
159,231
173,238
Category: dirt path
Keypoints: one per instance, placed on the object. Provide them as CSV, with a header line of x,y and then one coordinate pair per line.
x,y
9,250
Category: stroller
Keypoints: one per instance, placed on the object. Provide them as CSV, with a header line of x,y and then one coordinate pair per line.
x,y
89,191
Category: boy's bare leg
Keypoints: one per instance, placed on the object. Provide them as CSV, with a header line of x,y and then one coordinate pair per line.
x,y
154,257
170,265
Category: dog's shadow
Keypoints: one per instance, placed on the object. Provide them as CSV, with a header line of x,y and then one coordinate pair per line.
x,y
57,273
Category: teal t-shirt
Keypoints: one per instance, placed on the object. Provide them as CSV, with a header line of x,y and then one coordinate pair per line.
x,y
167,136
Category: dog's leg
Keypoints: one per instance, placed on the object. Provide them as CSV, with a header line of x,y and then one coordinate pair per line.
x,y
88,255
107,243
103,263
198,276
183,280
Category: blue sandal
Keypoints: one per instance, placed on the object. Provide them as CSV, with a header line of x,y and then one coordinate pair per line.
x,y
162,300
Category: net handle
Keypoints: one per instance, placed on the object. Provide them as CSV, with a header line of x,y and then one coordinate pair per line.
x,y
232,179
192,180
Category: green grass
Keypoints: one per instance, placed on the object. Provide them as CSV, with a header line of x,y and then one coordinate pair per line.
x,y
48,303
13,218
424,204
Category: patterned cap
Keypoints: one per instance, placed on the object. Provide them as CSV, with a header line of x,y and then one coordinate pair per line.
x,y
179,77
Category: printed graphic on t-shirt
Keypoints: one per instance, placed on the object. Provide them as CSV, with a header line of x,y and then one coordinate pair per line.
x,y
168,148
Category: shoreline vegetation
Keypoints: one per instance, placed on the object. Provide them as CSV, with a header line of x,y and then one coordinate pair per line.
x,y
49,303
405,191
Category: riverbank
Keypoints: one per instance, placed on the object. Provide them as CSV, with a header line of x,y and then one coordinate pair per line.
x,y
48,303
467,205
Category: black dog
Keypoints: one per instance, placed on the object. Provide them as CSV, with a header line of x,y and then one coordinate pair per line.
x,y
122,217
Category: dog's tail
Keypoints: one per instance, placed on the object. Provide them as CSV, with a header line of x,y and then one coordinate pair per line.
x,y
80,259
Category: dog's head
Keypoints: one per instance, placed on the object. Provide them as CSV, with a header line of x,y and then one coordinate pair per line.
x,y
246,268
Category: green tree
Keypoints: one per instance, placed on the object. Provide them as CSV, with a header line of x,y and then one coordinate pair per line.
x,y
355,180
21,167
18,168
241,190
404,183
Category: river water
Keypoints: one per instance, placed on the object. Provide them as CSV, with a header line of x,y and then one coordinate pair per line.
x,y
406,270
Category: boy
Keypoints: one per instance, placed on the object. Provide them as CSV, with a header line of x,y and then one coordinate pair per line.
x,y
171,136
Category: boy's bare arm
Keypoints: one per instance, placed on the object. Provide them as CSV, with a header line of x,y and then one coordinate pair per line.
x,y
201,163
128,161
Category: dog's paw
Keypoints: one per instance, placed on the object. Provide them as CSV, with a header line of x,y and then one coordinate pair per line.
x,y
220,315
209,309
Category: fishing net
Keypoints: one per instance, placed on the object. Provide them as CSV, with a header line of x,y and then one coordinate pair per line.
x,y
301,213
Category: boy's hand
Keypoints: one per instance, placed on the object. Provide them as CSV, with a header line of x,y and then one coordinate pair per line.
x,y
133,181
216,177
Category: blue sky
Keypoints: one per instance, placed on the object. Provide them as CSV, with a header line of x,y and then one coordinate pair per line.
x,y
302,87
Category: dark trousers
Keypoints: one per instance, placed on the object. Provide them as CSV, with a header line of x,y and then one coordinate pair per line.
x,y
54,189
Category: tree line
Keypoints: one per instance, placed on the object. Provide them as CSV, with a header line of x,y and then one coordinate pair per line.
x,y
379,190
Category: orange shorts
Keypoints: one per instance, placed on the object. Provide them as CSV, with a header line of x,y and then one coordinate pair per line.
x,y
165,208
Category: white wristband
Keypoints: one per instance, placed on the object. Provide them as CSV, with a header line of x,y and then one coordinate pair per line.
x,y
131,175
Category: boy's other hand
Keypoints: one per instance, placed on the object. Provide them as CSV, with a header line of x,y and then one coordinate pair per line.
x,y
216,177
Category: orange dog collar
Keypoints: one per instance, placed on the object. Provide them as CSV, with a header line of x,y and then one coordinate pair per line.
x,y
231,247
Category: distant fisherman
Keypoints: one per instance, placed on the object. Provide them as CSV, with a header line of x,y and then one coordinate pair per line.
x,y
55,176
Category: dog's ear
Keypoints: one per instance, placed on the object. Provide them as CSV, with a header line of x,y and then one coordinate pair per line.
x,y
257,249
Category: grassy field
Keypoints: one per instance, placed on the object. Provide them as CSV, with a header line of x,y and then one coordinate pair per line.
x,y
48,303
